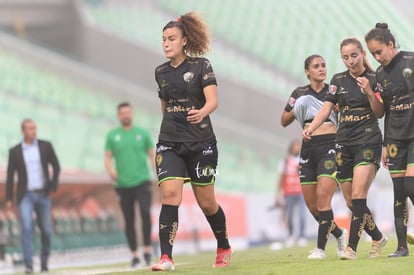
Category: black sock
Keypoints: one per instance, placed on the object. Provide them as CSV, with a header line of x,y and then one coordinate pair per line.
x,y
326,224
168,228
335,230
400,211
218,225
409,187
371,227
357,222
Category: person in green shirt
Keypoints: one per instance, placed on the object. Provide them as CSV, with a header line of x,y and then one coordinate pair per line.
x,y
131,149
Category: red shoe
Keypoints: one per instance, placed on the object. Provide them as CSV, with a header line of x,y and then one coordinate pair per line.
x,y
223,257
165,264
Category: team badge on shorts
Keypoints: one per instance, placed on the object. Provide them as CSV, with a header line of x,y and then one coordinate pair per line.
x,y
392,150
158,159
329,164
332,89
368,154
407,73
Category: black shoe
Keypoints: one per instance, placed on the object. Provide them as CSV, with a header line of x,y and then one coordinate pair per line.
x,y
135,262
148,259
29,270
400,252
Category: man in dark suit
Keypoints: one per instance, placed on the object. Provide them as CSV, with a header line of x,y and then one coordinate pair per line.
x,y
31,160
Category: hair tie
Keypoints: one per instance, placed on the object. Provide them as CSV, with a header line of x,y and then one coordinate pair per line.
x,y
179,19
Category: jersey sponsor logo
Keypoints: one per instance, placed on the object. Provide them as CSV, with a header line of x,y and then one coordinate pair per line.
x,y
188,76
402,106
209,75
208,151
342,91
332,89
117,137
386,83
179,109
407,73
138,137
164,83
353,118
292,101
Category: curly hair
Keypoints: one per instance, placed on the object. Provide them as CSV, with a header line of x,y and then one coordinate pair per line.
x,y
194,28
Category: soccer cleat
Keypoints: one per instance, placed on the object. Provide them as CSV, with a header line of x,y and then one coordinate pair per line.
x,y
400,252
349,254
165,264
223,257
148,259
410,239
317,253
377,246
342,243
135,262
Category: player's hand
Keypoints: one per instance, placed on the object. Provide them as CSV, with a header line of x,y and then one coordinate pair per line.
x,y
114,175
306,134
363,82
384,157
195,116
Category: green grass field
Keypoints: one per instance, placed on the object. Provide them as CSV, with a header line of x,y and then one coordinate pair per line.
x,y
262,260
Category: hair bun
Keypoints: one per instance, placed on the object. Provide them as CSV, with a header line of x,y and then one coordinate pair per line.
x,y
381,25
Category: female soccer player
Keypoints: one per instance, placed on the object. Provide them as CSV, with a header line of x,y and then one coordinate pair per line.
x,y
186,151
395,76
358,138
317,158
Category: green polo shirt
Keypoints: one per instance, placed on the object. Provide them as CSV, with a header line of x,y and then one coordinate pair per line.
x,y
130,151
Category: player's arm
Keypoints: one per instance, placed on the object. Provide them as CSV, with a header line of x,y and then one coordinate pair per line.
x,y
287,118
162,101
210,93
151,156
109,165
320,117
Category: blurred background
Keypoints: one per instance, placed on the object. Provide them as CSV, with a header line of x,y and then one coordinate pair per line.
x,y
67,64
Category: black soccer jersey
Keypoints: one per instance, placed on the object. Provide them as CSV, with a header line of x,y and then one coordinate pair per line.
x,y
182,90
357,122
306,104
397,92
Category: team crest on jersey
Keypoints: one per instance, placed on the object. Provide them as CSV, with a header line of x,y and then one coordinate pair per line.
x,y
188,76
407,73
332,89
292,101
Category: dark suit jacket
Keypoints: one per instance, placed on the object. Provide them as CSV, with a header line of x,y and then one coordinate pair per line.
x,y
17,164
